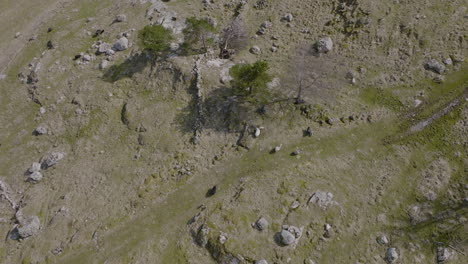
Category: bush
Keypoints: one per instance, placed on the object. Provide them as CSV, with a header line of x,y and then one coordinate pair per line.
x,y
155,38
198,35
250,82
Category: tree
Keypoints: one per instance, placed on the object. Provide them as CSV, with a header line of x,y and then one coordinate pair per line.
x,y
198,34
155,38
250,82
233,38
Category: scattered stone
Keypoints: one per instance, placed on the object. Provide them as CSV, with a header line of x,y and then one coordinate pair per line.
x,y
104,47
308,132
103,64
42,110
50,45
120,18
211,191
262,261
328,231
295,204
87,58
308,261
98,33
40,130
174,46
288,17
391,255
121,44
277,148
255,50
51,159
202,235
18,34
443,254
296,152
222,238
382,240
36,166
322,199
448,61
286,238
261,224
435,66
29,227
89,19
324,45
35,176
257,132
264,27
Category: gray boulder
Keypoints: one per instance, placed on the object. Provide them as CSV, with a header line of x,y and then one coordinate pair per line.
x,y
35,176
120,18
51,159
36,166
262,261
29,227
391,255
121,44
255,50
104,48
261,224
324,45
286,237
435,66
40,130
443,254
288,17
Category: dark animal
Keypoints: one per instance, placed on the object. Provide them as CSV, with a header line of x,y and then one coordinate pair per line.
x,y
211,191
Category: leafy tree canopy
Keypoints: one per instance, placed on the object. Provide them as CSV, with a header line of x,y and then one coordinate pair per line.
x,y
250,82
155,38
198,35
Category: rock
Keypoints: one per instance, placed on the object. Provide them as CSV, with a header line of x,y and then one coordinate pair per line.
x,y
50,45
29,227
324,45
382,240
261,224
296,152
435,66
18,34
264,27
288,17
202,235
42,110
262,261
257,132
40,130
87,58
121,44
295,204
322,199
35,176
328,231
448,61
391,255
51,159
443,254
103,64
222,238
174,46
89,19
286,237
104,47
255,50
36,166
120,18
277,148
308,132
308,261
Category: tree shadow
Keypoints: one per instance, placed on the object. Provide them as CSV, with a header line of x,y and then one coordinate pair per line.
x,y
132,65
220,111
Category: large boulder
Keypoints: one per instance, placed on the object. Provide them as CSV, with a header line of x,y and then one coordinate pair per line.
x,y
121,44
286,237
435,66
324,45
261,224
51,159
391,255
29,227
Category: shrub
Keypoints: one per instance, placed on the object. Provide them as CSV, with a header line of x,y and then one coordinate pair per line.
x,y
250,82
198,35
155,38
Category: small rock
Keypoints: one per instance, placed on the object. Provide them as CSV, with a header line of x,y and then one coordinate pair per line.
x,y
104,47
36,166
18,34
50,45
324,45
443,254
261,224
222,238
308,261
174,46
308,132
121,44
262,261
322,199
29,227
87,58
382,240
448,61
255,50
435,66
277,148
51,159
288,17
103,64
40,130
295,204
391,255
35,176
89,19
296,152
286,238
121,18
257,132
42,110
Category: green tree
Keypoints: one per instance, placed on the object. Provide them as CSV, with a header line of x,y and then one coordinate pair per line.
x,y
250,82
198,35
155,38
